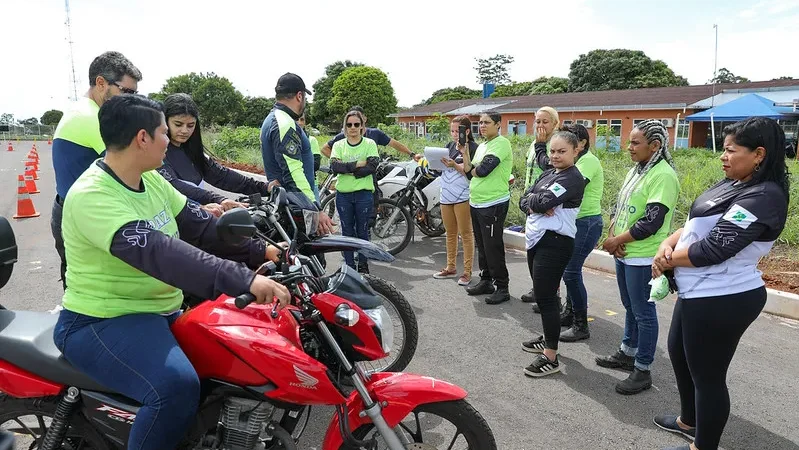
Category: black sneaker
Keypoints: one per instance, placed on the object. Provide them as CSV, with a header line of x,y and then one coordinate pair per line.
x,y
499,296
669,423
482,287
542,366
617,360
536,345
638,381
529,298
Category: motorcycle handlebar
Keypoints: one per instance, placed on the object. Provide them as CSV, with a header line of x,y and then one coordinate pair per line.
x,y
244,299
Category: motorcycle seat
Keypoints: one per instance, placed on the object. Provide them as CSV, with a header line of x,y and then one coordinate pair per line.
x,y
26,340
325,169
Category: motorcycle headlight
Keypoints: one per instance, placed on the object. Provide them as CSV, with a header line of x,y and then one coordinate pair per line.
x,y
346,316
383,321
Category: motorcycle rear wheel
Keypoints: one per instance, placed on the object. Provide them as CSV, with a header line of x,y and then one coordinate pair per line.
x,y
80,435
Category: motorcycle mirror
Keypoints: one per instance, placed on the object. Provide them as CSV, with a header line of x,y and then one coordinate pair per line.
x,y
279,197
8,251
235,226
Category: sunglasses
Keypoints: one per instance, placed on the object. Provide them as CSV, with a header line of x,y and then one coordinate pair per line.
x,y
124,89
353,124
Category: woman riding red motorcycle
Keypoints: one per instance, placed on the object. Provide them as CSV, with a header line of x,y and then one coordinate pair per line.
x,y
133,244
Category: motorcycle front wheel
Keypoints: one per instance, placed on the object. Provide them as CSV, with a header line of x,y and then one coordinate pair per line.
x,y
406,330
452,425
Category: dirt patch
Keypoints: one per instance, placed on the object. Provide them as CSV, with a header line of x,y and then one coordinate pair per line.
x,y
252,168
781,268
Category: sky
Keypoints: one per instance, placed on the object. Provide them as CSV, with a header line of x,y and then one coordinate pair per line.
x,y
423,45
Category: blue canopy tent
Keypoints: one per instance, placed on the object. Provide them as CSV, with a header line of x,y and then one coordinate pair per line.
x,y
743,108
750,105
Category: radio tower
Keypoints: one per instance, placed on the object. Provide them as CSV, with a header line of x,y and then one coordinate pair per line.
x,y
71,55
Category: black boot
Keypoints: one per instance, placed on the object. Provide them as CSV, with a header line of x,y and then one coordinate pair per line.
x,y
638,381
578,330
529,298
499,296
482,287
567,314
362,265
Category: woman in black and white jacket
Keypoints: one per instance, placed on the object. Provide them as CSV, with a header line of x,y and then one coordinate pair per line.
x,y
552,204
721,292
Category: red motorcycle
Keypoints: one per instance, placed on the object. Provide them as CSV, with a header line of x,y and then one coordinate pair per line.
x,y
259,373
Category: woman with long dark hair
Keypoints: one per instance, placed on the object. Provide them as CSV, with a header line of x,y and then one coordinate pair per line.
x,y
721,292
187,164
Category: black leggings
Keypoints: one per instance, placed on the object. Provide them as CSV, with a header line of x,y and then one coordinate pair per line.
x,y
702,341
547,261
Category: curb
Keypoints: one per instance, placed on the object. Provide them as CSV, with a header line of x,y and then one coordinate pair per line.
x,y
779,303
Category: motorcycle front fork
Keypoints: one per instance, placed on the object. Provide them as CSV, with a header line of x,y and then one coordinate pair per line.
x,y
373,408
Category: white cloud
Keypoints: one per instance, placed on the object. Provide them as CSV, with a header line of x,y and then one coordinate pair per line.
x,y
422,45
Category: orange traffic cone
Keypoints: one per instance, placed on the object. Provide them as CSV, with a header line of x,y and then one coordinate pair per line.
x,y
49,142
32,163
33,156
30,184
31,173
25,208
22,189
10,147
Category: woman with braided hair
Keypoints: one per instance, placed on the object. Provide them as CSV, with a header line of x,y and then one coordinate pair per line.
x,y
640,222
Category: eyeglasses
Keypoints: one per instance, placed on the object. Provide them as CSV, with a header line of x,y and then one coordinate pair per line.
x,y
353,124
124,89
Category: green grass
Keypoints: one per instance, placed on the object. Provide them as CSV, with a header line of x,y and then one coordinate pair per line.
x,y
697,169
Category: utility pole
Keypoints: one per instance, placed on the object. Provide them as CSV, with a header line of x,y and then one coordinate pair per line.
x,y
71,54
715,65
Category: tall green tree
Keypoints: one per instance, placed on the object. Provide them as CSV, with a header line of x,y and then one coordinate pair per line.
x,y
724,76
367,87
323,93
600,70
51,117
493,69
218,100
549,85
513,89
254,111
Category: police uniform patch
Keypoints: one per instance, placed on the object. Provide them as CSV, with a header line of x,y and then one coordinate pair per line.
x,y
292,148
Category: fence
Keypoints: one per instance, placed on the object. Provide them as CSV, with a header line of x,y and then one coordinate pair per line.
x,y
27,132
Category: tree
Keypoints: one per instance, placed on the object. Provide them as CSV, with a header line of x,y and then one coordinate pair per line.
x,y
254,111
600,70
51,117
724,76
782,78
186,84
513,89
218,101
7,119
323,93
367,87
549,85
446,94
438,126
494,69
30,121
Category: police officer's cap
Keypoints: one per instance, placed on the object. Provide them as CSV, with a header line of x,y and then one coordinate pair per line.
x,y
290,83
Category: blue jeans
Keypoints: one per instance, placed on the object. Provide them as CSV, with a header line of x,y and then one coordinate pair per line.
x,y
641,322
137,356
589,229
354,212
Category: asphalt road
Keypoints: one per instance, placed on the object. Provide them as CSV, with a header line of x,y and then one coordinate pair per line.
x,y
477,346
